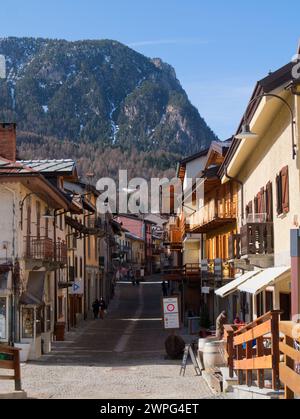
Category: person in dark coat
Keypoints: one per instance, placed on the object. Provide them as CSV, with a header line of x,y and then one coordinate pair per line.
x,y
96,308
164,287
103,308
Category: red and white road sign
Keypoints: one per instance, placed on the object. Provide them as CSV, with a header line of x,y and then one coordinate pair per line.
x,y
171,313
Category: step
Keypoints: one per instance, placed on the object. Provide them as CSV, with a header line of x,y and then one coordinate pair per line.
x,y
254,393
13,395
228,382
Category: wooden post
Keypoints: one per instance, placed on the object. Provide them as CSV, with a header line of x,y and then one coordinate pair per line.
x,y
260,353
18,384
249,355
275,350
230,351
289,395
239,358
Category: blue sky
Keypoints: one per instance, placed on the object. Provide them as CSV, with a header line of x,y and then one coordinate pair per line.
x,y
218,48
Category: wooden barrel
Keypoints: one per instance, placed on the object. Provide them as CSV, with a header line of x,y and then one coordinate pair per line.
x,y
213,354
203,342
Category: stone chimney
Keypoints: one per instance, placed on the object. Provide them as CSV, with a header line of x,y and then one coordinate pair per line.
x,y
8,141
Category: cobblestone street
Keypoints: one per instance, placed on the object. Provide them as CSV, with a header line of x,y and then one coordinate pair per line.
x,y
121,357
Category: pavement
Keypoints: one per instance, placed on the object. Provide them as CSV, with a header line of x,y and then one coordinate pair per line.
x,y
122,357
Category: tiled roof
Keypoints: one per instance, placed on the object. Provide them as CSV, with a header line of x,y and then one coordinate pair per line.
x,y
8,167
50,166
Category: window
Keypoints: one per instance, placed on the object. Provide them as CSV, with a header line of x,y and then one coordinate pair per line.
x,y
38,219
283,193
3,318
60,307
80,268
76,267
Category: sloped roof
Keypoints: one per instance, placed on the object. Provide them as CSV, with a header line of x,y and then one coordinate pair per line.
x,y
64,166
8,167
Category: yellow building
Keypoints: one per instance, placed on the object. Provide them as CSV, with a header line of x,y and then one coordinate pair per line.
x,y
267,166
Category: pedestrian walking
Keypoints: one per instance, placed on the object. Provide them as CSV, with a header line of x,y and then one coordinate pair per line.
x,y
96,308
102,308
164,289
132,277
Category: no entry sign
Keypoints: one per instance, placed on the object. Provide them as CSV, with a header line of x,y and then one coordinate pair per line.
x,y
171,313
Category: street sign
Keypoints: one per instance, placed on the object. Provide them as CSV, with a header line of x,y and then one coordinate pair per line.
x,y
171,313
77,288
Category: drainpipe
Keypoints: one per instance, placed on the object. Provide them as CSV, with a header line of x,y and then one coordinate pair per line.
x,y
13,328
242,189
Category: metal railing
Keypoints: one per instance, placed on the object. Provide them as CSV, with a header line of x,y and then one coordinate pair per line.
x,y
39,248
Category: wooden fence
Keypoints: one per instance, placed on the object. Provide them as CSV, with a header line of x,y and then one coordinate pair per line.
x,y
10,360
254,349
290,367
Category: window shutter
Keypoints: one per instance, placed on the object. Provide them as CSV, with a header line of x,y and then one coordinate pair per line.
x,y
250,205
279,194
269,202
285,190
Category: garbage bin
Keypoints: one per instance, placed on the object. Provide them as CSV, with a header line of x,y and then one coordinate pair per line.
x,y
59,331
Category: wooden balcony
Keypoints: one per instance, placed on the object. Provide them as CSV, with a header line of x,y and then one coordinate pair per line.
x,y
213,215
39,248
217,270
257,239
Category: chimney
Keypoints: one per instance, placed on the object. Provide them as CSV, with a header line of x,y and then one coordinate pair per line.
x,y
8,141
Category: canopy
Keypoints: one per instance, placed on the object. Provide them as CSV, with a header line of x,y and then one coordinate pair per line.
x,y
265,279
34,294
233,285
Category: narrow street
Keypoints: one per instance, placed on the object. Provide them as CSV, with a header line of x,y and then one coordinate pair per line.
x,y
121,357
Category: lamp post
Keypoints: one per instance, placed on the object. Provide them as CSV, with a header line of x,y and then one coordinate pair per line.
x,y
247,134
47,214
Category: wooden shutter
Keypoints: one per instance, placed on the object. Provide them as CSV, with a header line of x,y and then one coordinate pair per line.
x,y
279,194
285,190
269,201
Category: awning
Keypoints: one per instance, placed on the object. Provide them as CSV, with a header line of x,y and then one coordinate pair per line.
x,y
233,285
265,279
34,294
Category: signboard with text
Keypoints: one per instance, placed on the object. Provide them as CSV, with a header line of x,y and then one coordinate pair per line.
x,y
171,313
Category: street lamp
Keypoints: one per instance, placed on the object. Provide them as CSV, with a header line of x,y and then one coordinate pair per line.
x,y
47,215
247,134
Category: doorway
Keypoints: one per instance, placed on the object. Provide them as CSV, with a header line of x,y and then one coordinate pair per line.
x,y
286,306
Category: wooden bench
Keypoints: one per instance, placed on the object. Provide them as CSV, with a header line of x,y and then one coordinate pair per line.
x,y
10,360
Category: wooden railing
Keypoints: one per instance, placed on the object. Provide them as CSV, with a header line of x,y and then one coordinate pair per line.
x,y
257,239
254,348
39,248
290,367
10,360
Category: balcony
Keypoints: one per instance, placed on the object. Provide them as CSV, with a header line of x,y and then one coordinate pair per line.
x,y
39,249
95,223
217,270
61,249
257,239
215,214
